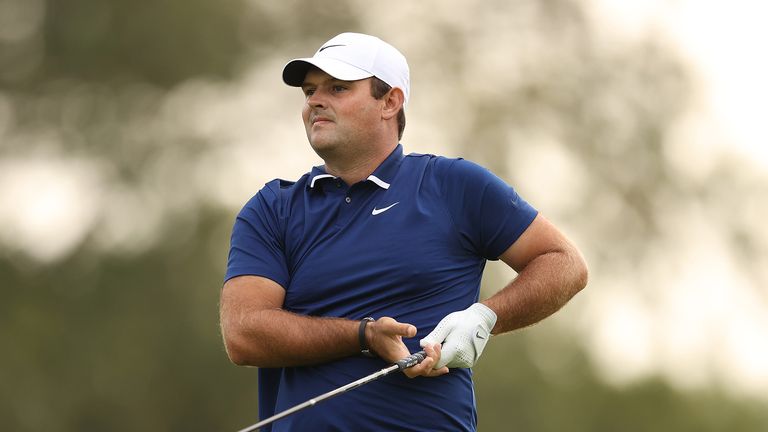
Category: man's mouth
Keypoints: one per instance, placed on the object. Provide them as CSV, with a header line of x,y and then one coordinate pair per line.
x,y
321,119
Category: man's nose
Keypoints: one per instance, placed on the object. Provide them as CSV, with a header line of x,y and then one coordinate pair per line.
x,y
316,99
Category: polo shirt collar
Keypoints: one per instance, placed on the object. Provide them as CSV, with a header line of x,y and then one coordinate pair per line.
x,y
382,176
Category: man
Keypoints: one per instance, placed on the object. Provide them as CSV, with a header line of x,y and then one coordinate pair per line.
x,y
375,254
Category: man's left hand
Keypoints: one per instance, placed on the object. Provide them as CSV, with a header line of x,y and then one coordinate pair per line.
x,y
463,336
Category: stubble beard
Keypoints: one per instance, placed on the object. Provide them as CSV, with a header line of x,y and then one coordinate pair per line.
x,y
334,144
325,144
327,147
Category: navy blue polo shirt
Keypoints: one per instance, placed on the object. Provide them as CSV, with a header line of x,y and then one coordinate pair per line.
x,y
409,242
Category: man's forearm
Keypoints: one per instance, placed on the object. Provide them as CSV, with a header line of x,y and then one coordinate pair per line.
x,y
277,338
547,283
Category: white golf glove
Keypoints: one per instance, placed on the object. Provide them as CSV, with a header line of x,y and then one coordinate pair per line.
x,y
463,335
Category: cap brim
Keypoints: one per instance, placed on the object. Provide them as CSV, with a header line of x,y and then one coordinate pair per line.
x,y
295,71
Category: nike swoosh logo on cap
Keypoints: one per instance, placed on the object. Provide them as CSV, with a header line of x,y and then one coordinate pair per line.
x,y
382,210
329,46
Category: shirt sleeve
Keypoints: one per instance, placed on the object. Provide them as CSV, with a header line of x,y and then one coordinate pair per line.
x,y
257,243
488,213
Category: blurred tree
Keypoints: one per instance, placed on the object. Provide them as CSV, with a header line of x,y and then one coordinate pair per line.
x,y
104,342
158,42
522,388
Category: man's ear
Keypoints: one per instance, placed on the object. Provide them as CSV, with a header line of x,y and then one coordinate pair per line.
x,y
393,102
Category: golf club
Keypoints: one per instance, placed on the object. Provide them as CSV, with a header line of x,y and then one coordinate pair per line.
x,y
400,365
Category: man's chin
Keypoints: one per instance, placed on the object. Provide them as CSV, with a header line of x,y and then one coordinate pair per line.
x,y
323,147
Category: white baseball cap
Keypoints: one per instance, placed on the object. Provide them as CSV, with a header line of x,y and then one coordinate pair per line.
x,y
352,57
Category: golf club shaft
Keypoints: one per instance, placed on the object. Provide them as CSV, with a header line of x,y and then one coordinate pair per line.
x,y
410,361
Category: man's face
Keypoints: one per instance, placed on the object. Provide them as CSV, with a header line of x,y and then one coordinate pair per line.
x,y
338,115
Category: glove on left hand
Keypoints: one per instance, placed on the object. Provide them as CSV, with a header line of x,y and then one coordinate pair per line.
x,y
463,335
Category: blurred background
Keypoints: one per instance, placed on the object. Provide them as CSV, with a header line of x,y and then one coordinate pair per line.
x,y
131,133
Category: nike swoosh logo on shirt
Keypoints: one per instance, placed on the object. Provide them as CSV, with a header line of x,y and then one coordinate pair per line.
x,y
382,210
479,336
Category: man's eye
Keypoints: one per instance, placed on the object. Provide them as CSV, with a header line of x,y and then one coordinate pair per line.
x,y
339,88
309,92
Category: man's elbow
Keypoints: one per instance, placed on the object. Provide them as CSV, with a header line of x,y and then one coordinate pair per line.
x,y
237,356
242,353
581,273
236,352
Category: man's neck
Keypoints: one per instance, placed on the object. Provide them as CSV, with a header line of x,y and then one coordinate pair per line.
x,y
358,169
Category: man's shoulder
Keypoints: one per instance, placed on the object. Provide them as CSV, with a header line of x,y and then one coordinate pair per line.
x,y
282,186
429,159
445,164
276,192
423,156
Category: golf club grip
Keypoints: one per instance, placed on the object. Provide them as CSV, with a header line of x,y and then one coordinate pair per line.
x,y
411,360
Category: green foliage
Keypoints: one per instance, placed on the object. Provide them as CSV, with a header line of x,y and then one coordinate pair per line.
x,y
560,390
159,42
119,343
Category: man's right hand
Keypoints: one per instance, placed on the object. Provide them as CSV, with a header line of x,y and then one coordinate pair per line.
x,y
385,337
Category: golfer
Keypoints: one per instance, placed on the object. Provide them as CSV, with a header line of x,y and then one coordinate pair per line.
x,y
377,254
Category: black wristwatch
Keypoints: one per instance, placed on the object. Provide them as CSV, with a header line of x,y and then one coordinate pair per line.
x,y
364,349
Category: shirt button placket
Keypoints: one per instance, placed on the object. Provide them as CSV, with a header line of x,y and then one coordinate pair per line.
x,y
348,200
